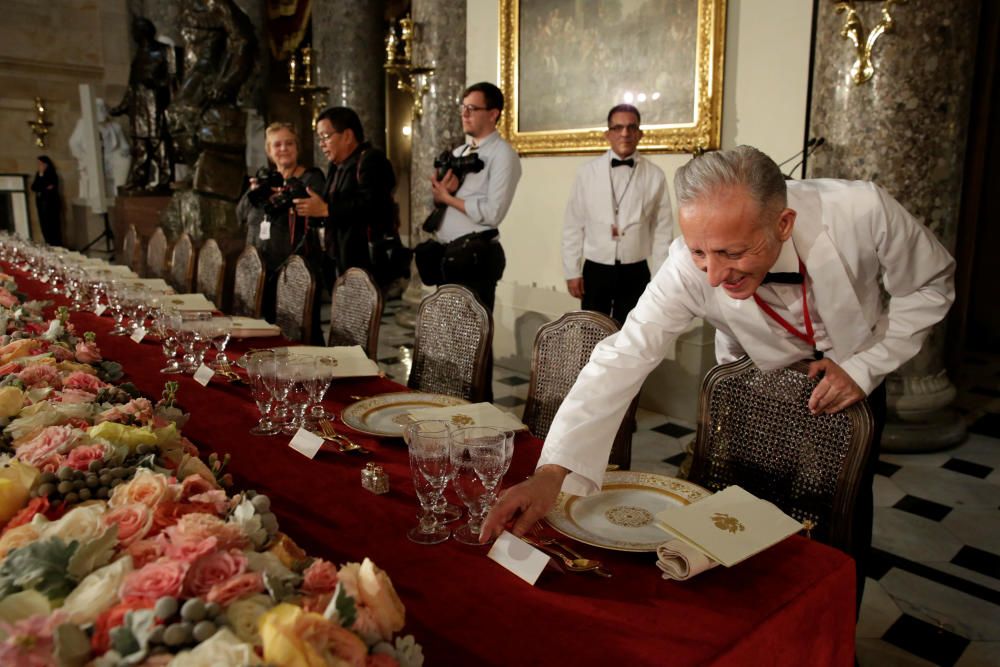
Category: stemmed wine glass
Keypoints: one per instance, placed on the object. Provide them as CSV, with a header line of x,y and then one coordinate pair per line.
x,y
116,302
488,450
467,483
430,467
317,384
295,371
258,363
278,388
169,324
218,330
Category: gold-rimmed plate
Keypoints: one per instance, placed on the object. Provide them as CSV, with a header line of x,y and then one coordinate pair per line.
x,y
620,515
386,415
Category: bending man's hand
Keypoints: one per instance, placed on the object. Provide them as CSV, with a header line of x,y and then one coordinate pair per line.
x,y
575,287
835,391
313,207
525,503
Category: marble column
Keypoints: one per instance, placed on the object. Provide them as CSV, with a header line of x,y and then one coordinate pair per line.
x,y
439,42
348,36
904,128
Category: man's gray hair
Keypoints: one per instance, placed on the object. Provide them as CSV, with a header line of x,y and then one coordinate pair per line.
x,y
741,166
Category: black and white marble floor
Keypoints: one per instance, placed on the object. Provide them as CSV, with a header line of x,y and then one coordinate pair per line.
x,y
932,594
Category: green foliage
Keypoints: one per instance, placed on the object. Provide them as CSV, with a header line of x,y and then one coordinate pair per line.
x,y
42,566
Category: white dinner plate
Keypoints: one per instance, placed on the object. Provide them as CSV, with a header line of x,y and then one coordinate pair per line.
x,y
386,415
620,516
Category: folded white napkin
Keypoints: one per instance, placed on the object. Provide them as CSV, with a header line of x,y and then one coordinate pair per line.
x,y
681,561
475,414
247,327
185,302
351,359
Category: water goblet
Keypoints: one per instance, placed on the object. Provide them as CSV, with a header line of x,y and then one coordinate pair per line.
x,y
469,487
317,384
295,371
278,388
218,330
169,324
430,467
255,365
488,450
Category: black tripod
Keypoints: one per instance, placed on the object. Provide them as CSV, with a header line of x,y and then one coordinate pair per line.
x,y
107,235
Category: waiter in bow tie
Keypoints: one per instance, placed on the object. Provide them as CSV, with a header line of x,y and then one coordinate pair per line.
x,y
618,222
827,248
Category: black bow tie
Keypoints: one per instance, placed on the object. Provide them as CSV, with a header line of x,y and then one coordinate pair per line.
x,y
629,162
784,278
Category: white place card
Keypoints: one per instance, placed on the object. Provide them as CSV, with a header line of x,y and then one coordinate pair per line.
x,y
45,280
101,307
203,375
138,334
519,557
306,443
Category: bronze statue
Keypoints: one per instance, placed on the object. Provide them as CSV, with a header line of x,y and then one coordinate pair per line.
x,y
145,102
207,127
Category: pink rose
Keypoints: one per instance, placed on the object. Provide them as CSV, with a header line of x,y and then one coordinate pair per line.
x,y
215,568
226,592
194,485
83,381
144,552
80,457
320,577
188,551
146,487
133,521
7,300
87,353
60,353
198,526
75,396
137,410
153,581
40,375
47,443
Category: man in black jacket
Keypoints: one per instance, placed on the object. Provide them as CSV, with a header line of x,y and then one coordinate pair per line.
x,y
357,203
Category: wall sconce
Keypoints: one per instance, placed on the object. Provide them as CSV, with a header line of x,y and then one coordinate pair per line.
x,y
301,80
40,126
854,30
411,78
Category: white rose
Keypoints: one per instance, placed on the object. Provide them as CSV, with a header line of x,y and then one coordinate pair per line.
x,y
243,615
83,524
224,648
97,592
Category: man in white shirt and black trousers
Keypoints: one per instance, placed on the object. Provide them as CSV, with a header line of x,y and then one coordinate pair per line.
x,y
745,231
617,218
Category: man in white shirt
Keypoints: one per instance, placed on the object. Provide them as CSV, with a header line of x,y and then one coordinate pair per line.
x,y
618,222
740,221
477,204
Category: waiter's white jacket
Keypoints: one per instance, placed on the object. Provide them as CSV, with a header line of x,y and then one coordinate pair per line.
x,y
644,217
849,234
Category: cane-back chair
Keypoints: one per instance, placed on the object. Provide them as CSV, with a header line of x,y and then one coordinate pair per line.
x,y
156,254
132,250
755,430
355,311
182,259
294,299
562,348
211,272
248,284
452,339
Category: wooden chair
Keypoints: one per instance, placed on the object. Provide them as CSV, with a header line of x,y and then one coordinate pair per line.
x,y
211,271
453,336
562,348
755,430
156,255
355,311
294,299
182,259
132,250
248,284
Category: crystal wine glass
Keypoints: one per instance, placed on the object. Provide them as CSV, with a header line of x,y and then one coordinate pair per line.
x,y
317,384
430,467
469,487
295,371
257,366
218,330
488,450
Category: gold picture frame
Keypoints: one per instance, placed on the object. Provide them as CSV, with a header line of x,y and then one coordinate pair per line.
x,y
580,63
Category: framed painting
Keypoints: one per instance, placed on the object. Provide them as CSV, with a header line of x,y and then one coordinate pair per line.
x,y
565,63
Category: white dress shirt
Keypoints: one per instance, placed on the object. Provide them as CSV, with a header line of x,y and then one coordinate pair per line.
x,y
849,235
644,218
487,194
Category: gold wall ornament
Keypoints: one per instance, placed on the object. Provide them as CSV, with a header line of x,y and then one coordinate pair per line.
x,y
302,80
854,30
410,78
671,121
40,126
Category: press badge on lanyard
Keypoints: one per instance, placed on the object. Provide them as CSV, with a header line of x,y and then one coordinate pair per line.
x,y
265,230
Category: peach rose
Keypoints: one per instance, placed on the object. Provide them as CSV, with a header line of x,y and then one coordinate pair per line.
x,y
199,525
144,552
133,521
60,353
87,353
212,569
319,577
189,551
40,375
80,457
226,592
376,599
83,381
292,636
75,396
47,443
153,581
18,537
146,487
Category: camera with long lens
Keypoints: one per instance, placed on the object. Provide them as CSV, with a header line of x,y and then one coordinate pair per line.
x,y
460,165
276,204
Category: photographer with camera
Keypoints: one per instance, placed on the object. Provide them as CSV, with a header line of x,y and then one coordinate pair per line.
x,y
473,187
267,212
357,202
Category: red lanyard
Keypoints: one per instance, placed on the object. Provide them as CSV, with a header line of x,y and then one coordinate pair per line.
x,y
808,337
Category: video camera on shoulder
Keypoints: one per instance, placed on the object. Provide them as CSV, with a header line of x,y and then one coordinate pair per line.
x,y
459,165
276,204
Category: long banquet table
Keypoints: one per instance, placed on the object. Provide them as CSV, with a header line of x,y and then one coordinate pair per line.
x,y
792,604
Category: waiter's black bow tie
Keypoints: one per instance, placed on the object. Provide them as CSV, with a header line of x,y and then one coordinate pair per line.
x,y
615,162
784,278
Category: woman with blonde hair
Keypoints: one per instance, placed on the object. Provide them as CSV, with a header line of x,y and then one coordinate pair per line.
x,y
280,235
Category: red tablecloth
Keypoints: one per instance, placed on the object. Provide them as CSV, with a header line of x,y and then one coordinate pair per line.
x,y
792,604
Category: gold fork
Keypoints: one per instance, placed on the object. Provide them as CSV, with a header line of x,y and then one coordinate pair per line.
x,y
346,444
